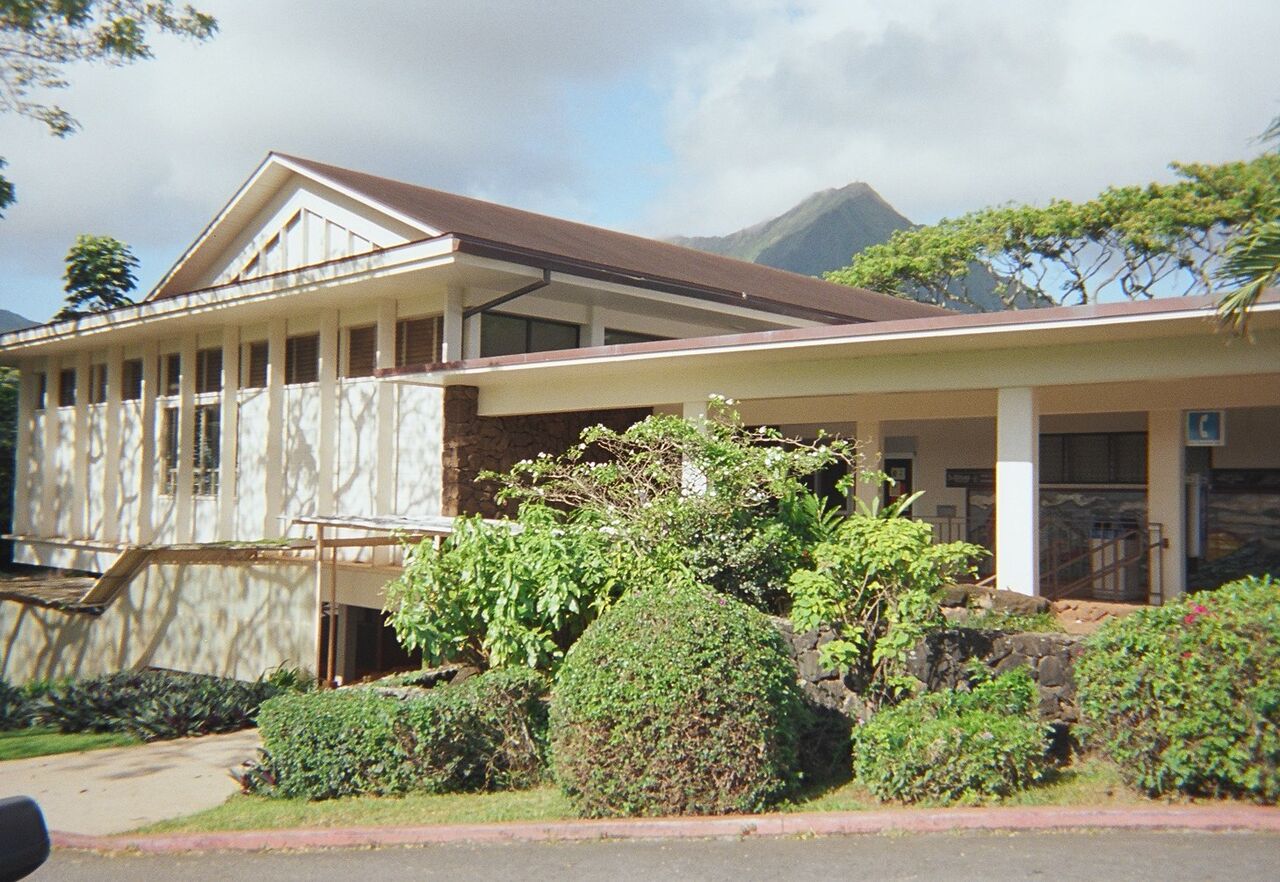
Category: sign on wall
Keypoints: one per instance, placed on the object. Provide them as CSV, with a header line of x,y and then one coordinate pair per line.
x,y
1206,428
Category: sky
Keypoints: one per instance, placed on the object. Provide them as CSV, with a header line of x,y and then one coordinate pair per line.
x,y
660,117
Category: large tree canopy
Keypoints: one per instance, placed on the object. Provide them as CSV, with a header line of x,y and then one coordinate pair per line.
x,y
40,38
99,276
1129,242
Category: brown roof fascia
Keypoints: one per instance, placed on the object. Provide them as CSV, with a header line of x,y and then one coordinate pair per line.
x,y
489,248
864,330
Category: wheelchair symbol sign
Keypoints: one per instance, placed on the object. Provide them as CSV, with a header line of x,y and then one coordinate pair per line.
x,y
1205,428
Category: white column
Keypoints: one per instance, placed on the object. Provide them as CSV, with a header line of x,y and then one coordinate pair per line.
x,y
595,327
273,497
183,515
326,444
1167,497
111,448
147,467
693,479
229,442
22,515
451,346
871,447
384,476
49,467
1017,491
80,469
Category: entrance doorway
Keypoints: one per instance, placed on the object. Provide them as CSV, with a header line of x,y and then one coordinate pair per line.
x,y
900,470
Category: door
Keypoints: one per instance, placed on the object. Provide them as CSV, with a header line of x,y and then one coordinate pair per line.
x,y
900,471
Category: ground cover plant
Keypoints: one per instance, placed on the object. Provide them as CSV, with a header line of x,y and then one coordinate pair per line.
x,y
487,733
955,746
1185,697
151,705
677,700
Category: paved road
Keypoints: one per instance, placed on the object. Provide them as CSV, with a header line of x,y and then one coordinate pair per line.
x,y
1054,857
122,788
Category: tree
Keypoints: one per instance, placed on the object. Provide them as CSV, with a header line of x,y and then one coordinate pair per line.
x,y
1252,263
40,38
1135,242
99,276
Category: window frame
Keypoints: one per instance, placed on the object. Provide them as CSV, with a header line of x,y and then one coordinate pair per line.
x,y
529,321
292,355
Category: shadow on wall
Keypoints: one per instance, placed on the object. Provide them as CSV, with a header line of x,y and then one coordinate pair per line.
x,y
231,619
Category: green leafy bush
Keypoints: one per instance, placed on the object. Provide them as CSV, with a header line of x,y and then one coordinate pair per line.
x,y
955,746
1186,697
153,705
495,596
15,707
877,582
719,502
487,733
677,700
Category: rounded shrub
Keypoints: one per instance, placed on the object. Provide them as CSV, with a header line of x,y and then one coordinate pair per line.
x,y
955,746
1186,697
677,700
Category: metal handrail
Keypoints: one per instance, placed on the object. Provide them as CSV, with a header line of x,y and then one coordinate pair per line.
x,y
1141,538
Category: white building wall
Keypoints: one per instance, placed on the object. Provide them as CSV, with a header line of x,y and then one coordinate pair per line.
x,y
301,448
130,470
94,495
356,460
416,439
251,456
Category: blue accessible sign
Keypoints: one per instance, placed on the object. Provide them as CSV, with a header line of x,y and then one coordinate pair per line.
x,y
1206,428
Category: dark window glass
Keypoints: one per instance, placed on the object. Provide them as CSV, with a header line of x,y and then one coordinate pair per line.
x,y
42,390
97,383
548,336
615,337
418,340
67,387
205,458
362,351
256,368
209,370
513,334
302,359
169,450
1094,458
171,374
131,379
502,335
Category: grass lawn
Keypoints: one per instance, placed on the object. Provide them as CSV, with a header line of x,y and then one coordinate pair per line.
x,y
1089,782
41,741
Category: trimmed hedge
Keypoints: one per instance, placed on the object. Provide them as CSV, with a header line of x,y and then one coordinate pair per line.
x,y
487,733
676,700
1186,697
153,705
955,746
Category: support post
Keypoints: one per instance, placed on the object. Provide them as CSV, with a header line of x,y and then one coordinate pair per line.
x,y
319,633
49,506
326,442
451,344
111,449
1017,490
273,497
22,519
871,447
228,443
184,517
1167,498
595,327
80,496
147,467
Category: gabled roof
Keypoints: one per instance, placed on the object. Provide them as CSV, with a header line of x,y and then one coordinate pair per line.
x,y
622,254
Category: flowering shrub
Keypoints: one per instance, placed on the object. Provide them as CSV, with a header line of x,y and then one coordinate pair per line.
x,y
1186,697
955,746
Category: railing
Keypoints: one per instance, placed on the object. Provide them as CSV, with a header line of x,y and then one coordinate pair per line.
x,y
1101,560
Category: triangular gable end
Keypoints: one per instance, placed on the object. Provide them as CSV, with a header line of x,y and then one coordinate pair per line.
x,y
285,218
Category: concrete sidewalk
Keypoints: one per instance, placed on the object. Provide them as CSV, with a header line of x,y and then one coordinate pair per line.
x,y
1202,818
122,788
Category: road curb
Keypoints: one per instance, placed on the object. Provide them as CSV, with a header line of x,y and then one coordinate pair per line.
x,y
1207,819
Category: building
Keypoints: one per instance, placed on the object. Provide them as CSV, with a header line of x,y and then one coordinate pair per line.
x,y
339,354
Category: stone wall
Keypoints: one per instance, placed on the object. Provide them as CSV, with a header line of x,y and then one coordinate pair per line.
x,y
939,662
472,443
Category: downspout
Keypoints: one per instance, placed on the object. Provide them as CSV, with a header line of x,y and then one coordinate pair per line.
x,y
507,298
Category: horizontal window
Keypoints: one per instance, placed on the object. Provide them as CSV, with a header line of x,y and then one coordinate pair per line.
x,y
209,370
42,390
131,379
1094,458
418,340
362,351
67,387
255,365
171,374
503,334
616,337
97,383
